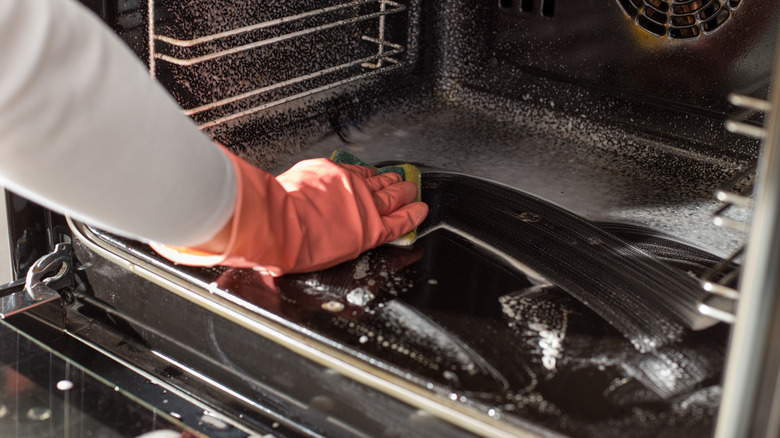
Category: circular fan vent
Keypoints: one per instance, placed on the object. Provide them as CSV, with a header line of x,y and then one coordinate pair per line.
x,y
679,19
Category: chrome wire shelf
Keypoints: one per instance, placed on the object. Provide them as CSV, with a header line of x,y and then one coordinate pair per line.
x,y
384,59
720,282
735,193
751,106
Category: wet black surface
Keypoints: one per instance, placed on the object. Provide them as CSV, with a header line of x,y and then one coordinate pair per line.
x,y
43,394
459,315
490,338
465,322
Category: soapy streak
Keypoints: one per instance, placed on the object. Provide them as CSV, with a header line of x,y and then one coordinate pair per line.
x,y
533,276
552,340
551,335
551,344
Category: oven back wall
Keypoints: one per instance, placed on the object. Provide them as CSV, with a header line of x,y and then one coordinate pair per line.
x,y
603,59
600,43
595,58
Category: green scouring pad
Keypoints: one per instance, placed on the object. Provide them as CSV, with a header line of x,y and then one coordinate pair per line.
x,y
407,171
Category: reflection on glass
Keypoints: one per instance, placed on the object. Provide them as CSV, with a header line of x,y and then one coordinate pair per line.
x,y
44,395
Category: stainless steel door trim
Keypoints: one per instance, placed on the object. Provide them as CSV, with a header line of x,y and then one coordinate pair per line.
x,y
91,343
6,272
239,312
751,389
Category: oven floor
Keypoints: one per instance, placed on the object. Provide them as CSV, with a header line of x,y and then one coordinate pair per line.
x,y
462,315
598,173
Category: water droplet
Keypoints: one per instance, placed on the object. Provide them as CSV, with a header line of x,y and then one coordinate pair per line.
x,y
529,217
333,306
64,385
433,281
275,425
176,415
363,339
213,422
39,413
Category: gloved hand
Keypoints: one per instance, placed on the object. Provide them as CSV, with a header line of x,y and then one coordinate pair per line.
x,y
316,215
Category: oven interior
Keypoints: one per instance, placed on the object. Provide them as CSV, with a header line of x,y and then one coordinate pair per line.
x,y
564,145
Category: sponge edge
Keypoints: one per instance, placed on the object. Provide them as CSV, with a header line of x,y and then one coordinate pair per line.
x,y
407,171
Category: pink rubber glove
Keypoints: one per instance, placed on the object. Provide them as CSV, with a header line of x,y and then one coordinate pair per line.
x,y
314,216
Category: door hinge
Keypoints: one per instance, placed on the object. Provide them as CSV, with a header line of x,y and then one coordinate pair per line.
x,y
45,280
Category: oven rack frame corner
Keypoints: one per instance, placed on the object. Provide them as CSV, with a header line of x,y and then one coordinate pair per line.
x,y
387,56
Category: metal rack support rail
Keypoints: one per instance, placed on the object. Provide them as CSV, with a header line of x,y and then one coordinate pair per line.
x,y
395,64
750,405
720,282
378,57
374,65
269,41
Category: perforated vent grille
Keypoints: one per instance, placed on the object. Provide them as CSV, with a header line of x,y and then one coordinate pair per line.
x,y
679,19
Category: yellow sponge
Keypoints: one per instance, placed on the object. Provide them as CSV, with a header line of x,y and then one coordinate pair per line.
x,y
407,171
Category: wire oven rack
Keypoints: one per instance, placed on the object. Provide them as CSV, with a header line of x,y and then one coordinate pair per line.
x,y
217,46
720,282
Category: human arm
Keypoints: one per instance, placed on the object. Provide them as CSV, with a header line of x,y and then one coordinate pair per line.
x,y
86,132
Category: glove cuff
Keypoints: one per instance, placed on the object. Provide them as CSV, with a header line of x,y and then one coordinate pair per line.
x,y
247,183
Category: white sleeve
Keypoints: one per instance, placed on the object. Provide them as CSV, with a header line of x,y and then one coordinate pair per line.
x,y
86,132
